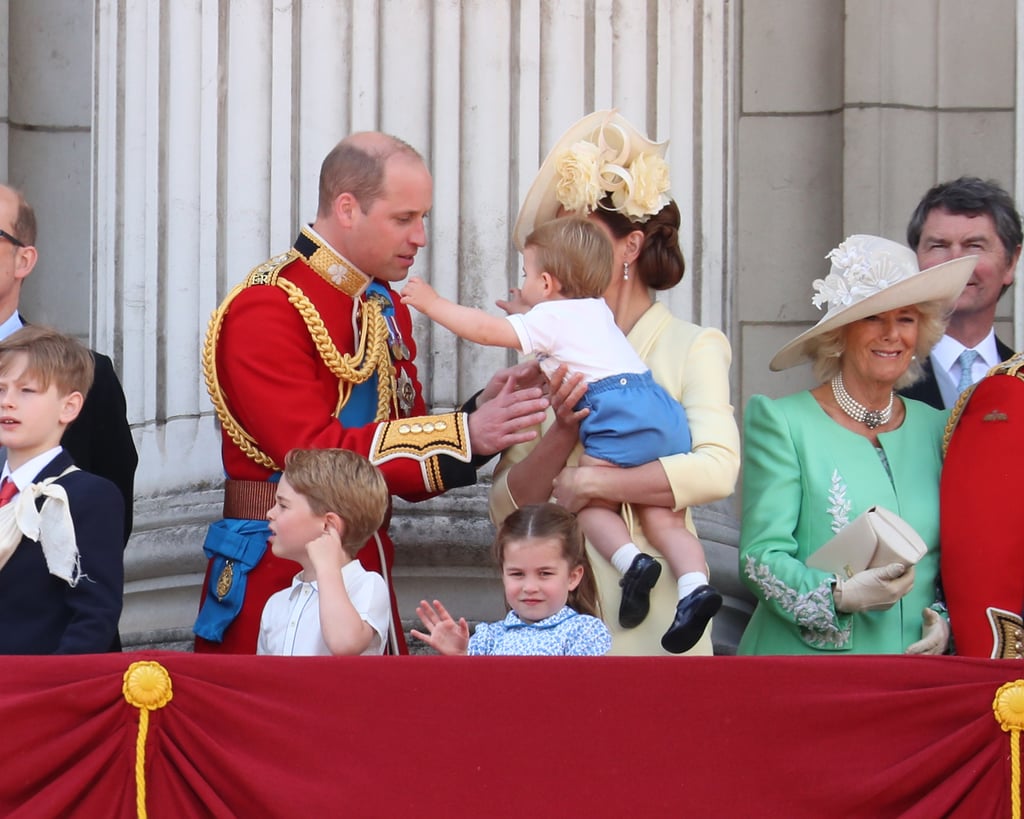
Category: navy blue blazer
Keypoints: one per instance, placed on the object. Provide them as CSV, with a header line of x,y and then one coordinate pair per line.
x,y
927,389
40,613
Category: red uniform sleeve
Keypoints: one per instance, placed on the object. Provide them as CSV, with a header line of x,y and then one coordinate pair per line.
x,y
283,395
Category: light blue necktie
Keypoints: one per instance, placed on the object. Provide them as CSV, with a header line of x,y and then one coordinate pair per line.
x,y
966,361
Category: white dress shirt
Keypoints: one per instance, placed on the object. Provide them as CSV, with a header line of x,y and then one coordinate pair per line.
x,y
290,624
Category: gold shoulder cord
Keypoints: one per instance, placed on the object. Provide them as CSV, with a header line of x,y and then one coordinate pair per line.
x,y
371,354
1012,366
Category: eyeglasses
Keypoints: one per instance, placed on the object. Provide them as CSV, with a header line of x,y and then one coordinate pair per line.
x,y
12,239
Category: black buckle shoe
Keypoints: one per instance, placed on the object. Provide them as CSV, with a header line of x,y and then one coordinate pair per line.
x,y
692,615
636,584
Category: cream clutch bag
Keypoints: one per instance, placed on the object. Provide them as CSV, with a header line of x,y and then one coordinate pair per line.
x,y
874,538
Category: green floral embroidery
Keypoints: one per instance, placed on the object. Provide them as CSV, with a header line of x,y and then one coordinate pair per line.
x,y
813,612
840,506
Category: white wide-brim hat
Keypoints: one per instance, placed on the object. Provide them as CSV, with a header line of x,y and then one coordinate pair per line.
x,y
614,143
872,275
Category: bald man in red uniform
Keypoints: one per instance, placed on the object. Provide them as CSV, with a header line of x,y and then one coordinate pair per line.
x,y
314,349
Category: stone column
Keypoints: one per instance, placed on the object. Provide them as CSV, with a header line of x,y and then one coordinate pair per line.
x,y
210,121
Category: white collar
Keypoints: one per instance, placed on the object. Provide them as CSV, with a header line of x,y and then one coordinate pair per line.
x,y
26,473
12,323
349,572
948,350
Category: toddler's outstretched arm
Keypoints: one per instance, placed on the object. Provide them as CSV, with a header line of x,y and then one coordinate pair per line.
x,y
466,322
444,635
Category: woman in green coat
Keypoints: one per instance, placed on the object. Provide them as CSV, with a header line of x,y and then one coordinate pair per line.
x,y
814,461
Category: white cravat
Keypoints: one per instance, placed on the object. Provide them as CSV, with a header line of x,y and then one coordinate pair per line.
x,y
51,526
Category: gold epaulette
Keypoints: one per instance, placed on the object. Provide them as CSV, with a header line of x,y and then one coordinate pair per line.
x,y
422,438
266,273
1012,366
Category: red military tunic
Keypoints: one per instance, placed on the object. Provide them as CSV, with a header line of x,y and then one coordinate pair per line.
x,y
982,541
269,363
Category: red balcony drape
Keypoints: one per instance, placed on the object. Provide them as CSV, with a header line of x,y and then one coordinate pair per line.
x,y
475,736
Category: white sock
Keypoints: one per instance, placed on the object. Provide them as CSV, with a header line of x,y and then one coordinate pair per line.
x,y
690,581
622,558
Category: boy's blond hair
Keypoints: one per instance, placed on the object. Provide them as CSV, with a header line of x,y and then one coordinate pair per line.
x,y
343,482
53,358
576,252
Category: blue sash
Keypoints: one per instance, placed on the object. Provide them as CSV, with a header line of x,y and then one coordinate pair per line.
x,y
235,546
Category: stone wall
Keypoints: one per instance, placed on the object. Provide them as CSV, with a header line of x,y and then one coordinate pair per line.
x,y
169,147
443,551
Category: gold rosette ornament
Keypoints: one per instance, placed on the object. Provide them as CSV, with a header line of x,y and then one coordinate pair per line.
x,y
1009,710
147,686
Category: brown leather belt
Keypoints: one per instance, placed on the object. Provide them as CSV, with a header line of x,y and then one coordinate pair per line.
x,y
248,500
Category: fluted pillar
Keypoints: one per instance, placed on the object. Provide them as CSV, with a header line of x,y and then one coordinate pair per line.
x,y
209,123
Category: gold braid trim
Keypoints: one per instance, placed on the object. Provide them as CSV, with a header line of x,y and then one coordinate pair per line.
x,y
239,437
954,417
1012,366
371,355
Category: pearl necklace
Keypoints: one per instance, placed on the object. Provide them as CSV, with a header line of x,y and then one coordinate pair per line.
x,y
857,411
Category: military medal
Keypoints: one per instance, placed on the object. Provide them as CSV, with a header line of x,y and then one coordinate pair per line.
x,y
399,350
225,579
406,392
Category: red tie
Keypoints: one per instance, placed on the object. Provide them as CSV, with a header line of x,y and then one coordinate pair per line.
x,y
8,489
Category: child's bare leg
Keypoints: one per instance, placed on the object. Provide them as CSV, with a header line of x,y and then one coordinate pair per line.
x,y
666,530
606,531
698,600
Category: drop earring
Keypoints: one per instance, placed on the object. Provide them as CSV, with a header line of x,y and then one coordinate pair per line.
x,y
625,271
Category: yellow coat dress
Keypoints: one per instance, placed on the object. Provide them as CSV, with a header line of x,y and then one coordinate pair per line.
x,y
692,363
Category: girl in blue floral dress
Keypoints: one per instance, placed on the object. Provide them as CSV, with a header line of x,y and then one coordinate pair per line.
x,y
549,589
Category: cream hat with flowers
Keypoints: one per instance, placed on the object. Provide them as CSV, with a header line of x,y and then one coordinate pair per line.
x,y
871,275
599,155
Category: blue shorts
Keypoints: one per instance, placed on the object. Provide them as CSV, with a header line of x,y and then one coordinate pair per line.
x,y
632,420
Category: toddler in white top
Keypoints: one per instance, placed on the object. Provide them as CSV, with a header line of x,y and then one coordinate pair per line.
x,y
329,503
629,420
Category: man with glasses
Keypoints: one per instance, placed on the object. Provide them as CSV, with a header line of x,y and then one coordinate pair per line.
x,y
100,440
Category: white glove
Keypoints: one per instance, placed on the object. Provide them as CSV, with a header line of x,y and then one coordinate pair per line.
x,y
873,589
934,634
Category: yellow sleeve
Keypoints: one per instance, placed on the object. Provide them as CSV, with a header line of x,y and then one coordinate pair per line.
x,y
709,471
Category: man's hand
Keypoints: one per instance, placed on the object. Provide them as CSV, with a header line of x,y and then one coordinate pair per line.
x,y
419,294
506,419
514,303
443,635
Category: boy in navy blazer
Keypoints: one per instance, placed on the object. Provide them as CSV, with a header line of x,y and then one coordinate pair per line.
x,y
61,529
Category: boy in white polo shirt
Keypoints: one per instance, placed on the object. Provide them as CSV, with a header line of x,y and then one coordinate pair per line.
x,y
329,502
